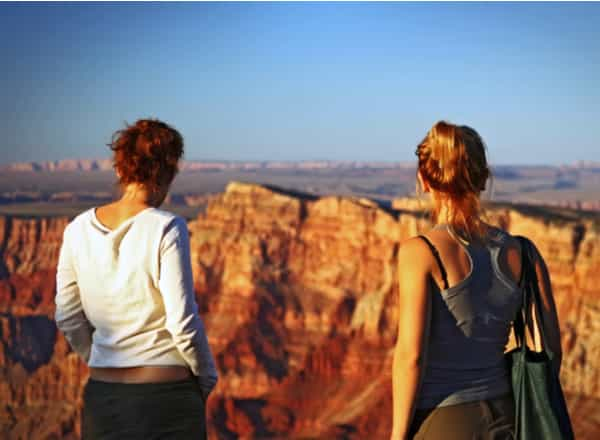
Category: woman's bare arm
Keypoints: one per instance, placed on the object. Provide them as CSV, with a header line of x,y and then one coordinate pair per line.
x,y
414,310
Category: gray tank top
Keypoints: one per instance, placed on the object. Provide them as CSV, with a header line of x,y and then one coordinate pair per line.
x,y
470,324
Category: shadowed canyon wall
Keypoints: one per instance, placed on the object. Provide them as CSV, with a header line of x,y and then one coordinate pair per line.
x,y
298,295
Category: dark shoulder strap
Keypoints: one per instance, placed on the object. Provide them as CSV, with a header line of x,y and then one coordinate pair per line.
x,y
522,317
436,254
532,292
524,243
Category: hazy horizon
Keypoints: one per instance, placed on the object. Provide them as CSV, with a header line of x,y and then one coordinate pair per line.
x,y
302,81
575,163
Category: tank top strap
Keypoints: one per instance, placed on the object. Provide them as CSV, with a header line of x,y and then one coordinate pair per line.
x,y
486,253
436,255
464,243
497,244
499,237
479,254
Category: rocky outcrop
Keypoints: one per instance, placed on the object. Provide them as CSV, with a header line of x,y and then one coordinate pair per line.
x,y
298,294
326,269
29,245
40,378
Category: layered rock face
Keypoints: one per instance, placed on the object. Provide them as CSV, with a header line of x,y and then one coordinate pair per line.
x,y
40,378
298,295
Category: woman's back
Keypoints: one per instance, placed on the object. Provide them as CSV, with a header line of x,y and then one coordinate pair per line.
x,y
119,278
471,316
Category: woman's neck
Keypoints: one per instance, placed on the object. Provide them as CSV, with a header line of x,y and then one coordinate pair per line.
x,y
135,194
444,214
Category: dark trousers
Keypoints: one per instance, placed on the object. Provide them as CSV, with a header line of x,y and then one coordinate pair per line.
x,y
169,410
492,419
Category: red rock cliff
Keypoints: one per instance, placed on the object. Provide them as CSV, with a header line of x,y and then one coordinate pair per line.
x,y
299,299
40,378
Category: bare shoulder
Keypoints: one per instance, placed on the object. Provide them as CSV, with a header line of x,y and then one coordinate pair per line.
x,y
414,252
515,252
510,257
412,245
535,253
539,262
513,245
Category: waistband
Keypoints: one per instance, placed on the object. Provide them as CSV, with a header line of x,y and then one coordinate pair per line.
x,y
117,387
503,399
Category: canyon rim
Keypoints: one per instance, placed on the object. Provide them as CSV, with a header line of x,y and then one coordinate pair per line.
x,y
298,295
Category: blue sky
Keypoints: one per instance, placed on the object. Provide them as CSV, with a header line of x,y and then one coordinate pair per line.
x,y
302,81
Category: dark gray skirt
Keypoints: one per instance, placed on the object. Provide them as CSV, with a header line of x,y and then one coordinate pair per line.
x,y
169,410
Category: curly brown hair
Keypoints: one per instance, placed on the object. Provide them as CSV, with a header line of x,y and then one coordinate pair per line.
x,y
147,152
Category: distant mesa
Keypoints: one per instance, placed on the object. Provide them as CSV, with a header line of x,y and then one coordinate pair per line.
x,y
197,165
500,171
60,165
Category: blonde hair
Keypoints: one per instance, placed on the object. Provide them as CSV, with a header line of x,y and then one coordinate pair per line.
x,y
452,162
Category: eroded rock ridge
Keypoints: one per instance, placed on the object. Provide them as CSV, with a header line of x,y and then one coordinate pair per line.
x,y
298,295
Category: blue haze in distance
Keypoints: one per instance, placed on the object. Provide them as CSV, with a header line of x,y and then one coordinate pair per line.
x,y
302,81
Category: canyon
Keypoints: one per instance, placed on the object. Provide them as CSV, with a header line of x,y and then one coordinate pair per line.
x,y
298,294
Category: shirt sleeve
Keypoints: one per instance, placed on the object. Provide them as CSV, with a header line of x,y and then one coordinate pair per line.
x,y
182,319
69,315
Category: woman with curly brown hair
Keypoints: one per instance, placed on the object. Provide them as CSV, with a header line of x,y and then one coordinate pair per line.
x,y
459,294
125,301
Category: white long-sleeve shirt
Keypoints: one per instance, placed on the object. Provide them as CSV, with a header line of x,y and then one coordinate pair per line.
x,y
125,297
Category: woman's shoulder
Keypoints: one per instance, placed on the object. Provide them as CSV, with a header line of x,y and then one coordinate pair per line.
x,y
77,224
414,251
503,237
162,215
166,221
414,243
170,223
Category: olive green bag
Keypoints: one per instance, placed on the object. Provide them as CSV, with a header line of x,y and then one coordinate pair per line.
x,y
540,408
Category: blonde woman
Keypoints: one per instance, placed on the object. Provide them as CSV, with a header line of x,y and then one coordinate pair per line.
x,y
459,293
